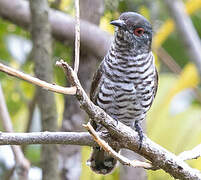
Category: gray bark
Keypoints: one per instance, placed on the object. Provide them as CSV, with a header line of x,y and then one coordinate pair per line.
x,y
41,55
68,138
90,10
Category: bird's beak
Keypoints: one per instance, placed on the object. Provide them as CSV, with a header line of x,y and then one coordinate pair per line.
x,y
118,23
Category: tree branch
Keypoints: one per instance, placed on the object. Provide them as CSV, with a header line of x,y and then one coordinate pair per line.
x,y
70,138
159,156
73,138
77,36
62,26
42,57
191,154
36,81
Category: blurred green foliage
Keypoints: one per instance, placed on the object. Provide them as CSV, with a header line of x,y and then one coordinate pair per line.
x,y
176,131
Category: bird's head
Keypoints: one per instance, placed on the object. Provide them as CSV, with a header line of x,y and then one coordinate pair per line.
x,y
133,30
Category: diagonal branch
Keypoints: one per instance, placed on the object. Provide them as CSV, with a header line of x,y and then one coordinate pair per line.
x,y
159,156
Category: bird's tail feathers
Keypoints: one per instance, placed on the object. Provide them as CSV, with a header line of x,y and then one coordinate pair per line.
x,y
101,162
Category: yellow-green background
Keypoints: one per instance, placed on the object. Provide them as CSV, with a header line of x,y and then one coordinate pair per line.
x,y
174,132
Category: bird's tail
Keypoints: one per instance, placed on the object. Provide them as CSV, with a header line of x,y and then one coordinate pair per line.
x,y
101,162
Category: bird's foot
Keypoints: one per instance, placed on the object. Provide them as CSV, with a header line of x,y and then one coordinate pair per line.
x,y
139,130
116,122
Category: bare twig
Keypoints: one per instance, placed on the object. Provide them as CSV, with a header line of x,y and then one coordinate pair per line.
x,y
42,58
77,36
114,154
36,81
22,163
191,154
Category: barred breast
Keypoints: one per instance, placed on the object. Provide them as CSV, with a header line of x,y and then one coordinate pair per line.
x,y
128,86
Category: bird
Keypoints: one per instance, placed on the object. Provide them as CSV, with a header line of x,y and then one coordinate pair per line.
x,y
125,83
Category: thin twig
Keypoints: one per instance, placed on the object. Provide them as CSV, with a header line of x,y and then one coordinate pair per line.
x,y
191,154
36,81
77,36
123,160
21,162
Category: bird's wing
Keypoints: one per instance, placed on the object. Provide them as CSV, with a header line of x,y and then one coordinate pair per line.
x,y
94,91
96,83
156,82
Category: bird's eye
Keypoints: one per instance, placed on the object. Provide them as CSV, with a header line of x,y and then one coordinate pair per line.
x,y
138,31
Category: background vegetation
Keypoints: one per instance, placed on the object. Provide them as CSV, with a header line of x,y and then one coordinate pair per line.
x,y
174,120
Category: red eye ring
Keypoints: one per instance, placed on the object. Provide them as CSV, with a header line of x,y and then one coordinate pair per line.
x,y
138,31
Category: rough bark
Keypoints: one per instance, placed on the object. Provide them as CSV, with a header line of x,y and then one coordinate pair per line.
x,y
90,10
94,39
128,138
41,55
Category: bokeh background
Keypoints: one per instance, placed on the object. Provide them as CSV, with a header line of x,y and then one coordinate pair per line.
x,y
174,121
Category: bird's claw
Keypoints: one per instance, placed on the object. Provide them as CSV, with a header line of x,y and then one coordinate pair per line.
x,y
139,130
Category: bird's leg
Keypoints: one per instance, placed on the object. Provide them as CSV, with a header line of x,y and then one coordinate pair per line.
x,y
139,130
116,121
